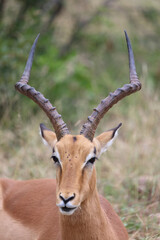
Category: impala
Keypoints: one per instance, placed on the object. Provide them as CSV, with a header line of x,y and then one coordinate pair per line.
x,y
68,208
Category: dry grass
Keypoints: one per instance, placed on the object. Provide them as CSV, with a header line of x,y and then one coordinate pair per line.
x,y
130,178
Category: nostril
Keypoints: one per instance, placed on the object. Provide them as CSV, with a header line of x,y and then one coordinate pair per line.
x,y
61,197
65,200
72,197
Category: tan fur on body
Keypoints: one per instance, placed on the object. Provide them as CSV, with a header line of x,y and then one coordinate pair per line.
x,y
39,218
30,206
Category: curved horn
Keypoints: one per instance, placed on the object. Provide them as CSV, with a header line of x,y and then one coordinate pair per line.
x,y
23,87
89,128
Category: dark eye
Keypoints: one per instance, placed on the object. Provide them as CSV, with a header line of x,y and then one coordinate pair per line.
x,y
55,159
92,160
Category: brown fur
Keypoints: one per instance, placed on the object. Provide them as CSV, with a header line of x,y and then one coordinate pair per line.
x,y
32,204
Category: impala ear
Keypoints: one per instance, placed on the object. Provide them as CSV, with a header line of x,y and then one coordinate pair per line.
x,y
105,140
48,136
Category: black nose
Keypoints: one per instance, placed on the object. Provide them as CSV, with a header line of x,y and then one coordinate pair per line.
x,y
66,200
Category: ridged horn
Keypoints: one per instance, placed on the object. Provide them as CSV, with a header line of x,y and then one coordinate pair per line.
x,y
89,128
23,87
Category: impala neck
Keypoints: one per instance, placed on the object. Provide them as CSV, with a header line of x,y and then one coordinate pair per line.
x,y
88,222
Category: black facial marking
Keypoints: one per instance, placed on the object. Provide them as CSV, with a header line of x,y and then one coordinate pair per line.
x,y
74,139
95,150
53,150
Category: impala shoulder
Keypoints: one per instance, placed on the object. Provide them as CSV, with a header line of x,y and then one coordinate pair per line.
x,y
114,219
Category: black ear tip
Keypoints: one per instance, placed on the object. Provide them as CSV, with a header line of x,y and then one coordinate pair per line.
x,y
115,129
42,126
119,125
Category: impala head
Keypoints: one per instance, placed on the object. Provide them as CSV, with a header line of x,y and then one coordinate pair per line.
x,y
75,156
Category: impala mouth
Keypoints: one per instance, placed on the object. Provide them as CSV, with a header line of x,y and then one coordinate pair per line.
x,y
67,211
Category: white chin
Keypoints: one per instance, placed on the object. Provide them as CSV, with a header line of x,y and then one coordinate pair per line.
x,y
68,212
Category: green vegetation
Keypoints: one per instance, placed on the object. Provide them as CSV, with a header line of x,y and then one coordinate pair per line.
x,y
81,56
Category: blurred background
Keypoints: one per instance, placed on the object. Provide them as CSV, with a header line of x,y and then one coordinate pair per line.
x,y
81,56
